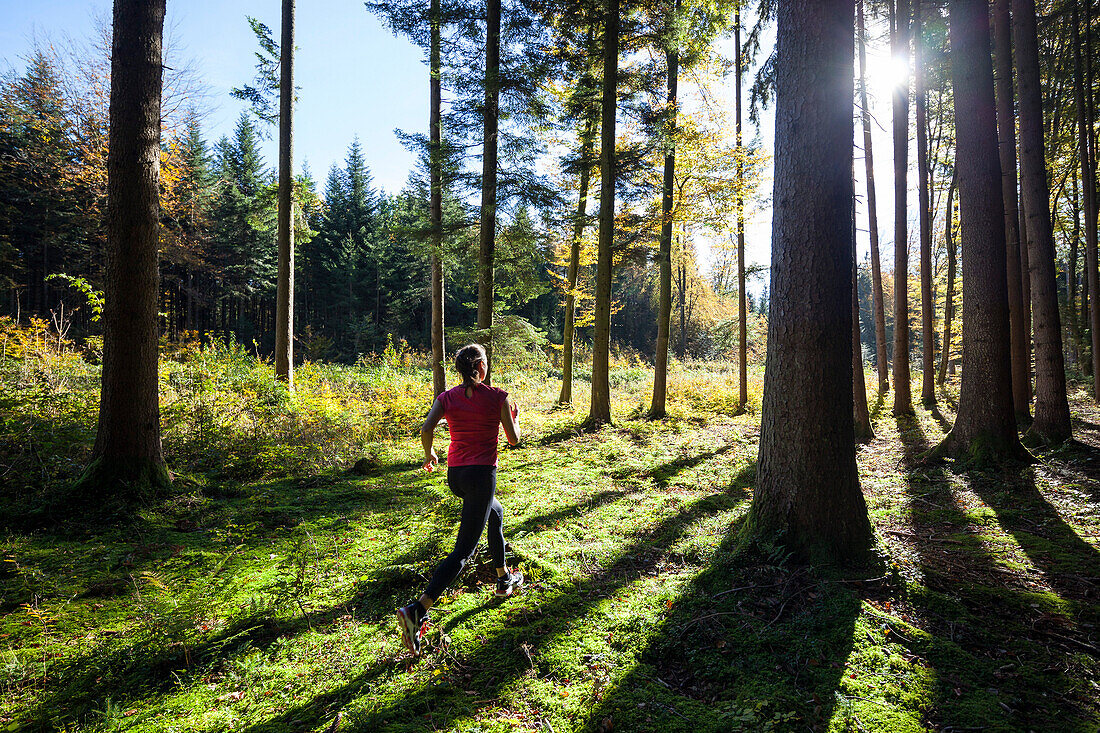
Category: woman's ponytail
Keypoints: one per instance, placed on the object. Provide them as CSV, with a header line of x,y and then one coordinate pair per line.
x,y
466,362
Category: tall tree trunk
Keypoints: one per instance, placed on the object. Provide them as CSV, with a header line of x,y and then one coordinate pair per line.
x,y
928,374
807,492
439,377
284,300
127,460
861,415
1082,82
566,396
742,299
1006,137
899,43
664,308
600,409
1071,276
1052,422
681,277
985,428
881,361
949,304
487,235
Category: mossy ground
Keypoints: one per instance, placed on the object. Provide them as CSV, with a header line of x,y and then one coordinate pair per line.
x,y
266,604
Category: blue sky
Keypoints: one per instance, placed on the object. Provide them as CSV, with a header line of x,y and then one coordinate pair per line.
x,y
355,77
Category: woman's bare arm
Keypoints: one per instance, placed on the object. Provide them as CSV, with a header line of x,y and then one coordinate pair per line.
x,y
508,414
427,435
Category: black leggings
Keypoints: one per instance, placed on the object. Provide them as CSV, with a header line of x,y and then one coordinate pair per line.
x,y
477,486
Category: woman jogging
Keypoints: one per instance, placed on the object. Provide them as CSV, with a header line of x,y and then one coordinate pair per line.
x,y
474,412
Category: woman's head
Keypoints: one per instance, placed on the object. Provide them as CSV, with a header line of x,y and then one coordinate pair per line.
x,y
467,359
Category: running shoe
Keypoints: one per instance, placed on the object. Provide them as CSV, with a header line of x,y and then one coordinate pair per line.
x,y
506,584
412,628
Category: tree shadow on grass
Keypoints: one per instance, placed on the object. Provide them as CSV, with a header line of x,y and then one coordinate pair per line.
x,y
994,666
503,655
552,518
751,644
151,668
665,472
1077,462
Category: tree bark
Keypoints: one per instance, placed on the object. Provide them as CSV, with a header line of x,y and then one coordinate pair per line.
x,y
742,299
949,304
864,432
487,234
881,361
1052,423
903,398
807,493
1006,136
284,299
985,428
1071,275
127,459
600,409
664,308
928,375
566,396
1085,152
439,377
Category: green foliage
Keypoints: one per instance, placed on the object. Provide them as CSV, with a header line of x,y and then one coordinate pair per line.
x,y
94,297
262,95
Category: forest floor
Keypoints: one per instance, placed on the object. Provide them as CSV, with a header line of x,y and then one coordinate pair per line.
x,y
257,603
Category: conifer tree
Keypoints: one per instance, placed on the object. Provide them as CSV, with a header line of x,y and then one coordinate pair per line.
x,y
807,493
899,46
1052,423
985,428
284,311
127,460
600,407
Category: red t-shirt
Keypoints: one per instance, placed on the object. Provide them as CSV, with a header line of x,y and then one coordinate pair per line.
x,y
474,423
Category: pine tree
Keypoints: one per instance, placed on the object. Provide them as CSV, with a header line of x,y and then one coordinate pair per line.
x,y
127,460
807,493
1052,423
899,43
985,428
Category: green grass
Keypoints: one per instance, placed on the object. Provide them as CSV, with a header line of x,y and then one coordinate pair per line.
x,y
259,596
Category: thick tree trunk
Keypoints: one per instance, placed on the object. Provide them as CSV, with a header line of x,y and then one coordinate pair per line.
x,y
949,304
1052,423
985,428
928,373
488,232
127,460
1085,152
284,299
742,299
881,361
1006,136
439,376
807,493
600,410
664,308
566,396
903,398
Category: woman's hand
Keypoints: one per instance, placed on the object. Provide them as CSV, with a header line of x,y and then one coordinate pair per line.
x,y
430,459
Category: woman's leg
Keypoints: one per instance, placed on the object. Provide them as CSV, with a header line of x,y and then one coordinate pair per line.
x,y
476,485
495,536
